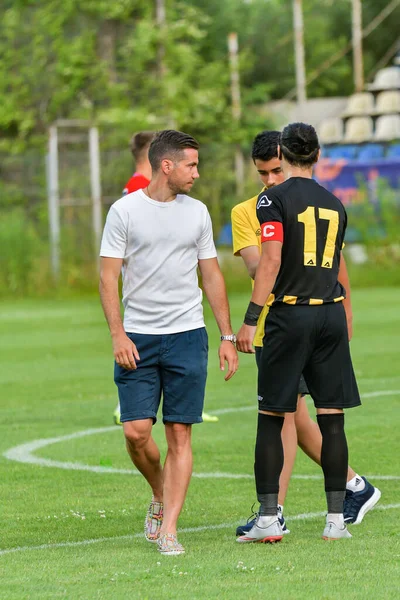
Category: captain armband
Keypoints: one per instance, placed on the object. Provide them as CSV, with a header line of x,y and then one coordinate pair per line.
x,y
272,232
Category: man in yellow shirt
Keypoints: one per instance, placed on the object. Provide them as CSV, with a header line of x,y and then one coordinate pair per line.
x,y
299,428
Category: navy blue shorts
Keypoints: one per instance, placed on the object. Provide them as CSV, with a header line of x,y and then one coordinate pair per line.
x,y
172,365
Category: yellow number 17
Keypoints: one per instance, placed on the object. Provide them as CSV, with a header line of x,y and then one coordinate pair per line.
x,y
310,235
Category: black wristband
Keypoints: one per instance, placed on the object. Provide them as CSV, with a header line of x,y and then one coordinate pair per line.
x,y
252,314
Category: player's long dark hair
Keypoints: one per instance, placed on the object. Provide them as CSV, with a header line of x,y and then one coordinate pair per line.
x,y
299,145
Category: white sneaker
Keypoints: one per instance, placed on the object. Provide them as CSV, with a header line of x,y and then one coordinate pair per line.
x,y
333,532
265,530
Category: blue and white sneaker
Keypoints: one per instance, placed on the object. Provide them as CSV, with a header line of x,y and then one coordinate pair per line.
x,y
357,504
251,521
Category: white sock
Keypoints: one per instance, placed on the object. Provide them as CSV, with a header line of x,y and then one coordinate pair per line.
x,y
357,484
266,520
336,518
280,511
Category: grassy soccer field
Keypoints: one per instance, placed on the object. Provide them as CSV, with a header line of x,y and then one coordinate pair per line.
x,y
72,510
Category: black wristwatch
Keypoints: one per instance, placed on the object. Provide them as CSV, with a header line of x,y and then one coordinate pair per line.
x,y
229,338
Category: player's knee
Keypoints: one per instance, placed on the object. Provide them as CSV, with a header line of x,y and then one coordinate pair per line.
x,y
289,419
136,435
329,411
178,436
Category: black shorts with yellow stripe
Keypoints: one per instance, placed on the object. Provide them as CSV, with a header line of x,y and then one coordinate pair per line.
x,y
308,340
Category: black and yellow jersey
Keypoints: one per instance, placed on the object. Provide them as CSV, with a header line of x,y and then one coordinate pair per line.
x,y
311,223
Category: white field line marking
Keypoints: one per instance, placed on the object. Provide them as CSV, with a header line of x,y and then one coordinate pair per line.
x,y
226,411
365,380
300,517
377,394
24,452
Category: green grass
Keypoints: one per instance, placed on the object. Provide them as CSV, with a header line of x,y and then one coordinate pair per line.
x,y
56,379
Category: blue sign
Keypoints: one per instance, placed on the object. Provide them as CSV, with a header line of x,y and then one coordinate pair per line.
x,y
356,182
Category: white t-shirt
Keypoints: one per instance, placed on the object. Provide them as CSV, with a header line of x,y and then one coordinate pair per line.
x,y
160,244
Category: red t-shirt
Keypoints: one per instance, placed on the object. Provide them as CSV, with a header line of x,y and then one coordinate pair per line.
x,y
136,182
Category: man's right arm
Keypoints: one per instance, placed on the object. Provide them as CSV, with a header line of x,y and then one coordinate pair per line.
x,y
125,352
251,258
245,242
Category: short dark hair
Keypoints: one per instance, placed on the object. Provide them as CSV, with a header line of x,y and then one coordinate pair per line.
x,y
265,145
140,143
299,144
169,144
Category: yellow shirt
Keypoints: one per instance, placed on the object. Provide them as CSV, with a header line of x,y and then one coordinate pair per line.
x,y
246,232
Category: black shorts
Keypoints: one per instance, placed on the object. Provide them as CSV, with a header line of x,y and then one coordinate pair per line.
x,y
312,340
303,389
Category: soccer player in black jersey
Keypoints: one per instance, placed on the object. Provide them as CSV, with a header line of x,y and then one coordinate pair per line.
x,y
302,229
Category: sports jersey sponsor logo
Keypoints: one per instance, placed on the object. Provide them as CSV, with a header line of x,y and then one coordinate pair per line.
x,y
264,201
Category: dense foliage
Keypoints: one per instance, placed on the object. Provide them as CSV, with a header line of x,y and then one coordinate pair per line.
x,y
109,61
113,64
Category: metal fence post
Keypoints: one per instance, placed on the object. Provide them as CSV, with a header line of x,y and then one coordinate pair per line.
x,y
53,202
94,157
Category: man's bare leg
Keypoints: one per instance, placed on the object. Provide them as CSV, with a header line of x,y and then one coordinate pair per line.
x,y
177,472
309,435
145,454
289,441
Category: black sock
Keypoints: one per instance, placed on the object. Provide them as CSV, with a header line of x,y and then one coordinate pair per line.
x,y
268,462
334,459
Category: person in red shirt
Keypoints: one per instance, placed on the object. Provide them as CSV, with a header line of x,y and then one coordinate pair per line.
x,y
139,146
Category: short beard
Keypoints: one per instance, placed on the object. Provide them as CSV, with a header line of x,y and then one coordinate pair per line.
x,y
175,189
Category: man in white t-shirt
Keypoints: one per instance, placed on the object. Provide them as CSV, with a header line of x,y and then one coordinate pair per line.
x,y
158,237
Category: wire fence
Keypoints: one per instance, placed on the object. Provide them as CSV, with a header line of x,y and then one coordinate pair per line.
x,y
25,264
